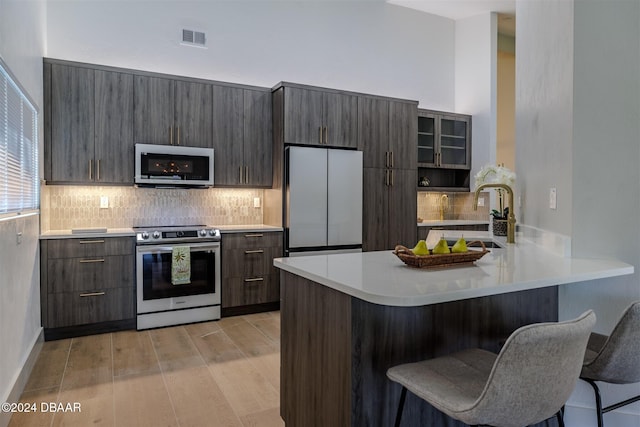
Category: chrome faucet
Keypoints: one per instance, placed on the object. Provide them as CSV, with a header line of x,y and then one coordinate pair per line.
x,y
444,205
511,219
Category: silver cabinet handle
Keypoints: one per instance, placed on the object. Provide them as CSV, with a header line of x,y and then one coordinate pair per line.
x,y
386,159
170,135
391,159
246,174
87,261
256,251
178,132
92,294
326,135
255,279
240,173
90,171
98,170
320,134
391,172
89,242
254,235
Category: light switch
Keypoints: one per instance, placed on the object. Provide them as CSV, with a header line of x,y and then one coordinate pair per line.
x,y
553,201
104,202
480,201
256,202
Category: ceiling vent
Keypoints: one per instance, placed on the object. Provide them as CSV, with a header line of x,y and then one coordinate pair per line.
x,y
193,38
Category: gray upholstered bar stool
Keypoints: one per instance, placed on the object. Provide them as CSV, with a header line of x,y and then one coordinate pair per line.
x,y
528,382
614,358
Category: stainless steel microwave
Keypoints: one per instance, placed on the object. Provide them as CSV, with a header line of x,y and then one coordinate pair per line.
x,y
173,166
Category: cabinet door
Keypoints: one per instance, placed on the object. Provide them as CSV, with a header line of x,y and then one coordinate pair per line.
x,y
193,114
426,139
80,308
373,140
72,124
340,120
227,115
455,150
375,214
153,103
258,143
403,208
114,143
403,131
303,116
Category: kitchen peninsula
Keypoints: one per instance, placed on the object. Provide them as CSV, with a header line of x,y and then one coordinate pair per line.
x,y
347,318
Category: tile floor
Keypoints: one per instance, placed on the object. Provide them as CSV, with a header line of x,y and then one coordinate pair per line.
x,y
223,373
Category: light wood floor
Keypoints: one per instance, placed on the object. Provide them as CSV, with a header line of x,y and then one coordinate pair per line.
x,y
223,373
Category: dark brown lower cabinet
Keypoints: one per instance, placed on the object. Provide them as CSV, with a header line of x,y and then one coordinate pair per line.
x,y
250,282
336,349
389,208
87,285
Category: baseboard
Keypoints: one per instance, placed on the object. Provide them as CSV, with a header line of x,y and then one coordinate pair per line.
x,y
23,377
580,416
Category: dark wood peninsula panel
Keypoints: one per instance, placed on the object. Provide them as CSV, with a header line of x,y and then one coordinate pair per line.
x,y
336,349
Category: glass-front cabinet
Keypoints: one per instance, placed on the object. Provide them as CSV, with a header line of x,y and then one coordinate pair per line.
x,y
444,151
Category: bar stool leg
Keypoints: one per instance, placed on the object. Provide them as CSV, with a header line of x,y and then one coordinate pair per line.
x,y
403,396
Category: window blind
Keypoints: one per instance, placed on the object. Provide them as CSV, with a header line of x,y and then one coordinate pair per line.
x,y
19,185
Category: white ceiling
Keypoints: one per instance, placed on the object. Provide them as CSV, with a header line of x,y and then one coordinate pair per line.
x,y
460,9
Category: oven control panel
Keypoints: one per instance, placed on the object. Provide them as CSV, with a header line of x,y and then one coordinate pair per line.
x,y
177,235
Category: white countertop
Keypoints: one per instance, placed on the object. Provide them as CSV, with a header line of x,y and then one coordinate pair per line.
x,y
382,278
444,223
70,234
253,228
129,232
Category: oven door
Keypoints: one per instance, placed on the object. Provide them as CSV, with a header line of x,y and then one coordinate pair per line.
x,y
155,292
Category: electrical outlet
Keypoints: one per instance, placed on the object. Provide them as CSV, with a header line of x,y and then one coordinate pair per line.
x,y
104,202
480,201
256,202
553,198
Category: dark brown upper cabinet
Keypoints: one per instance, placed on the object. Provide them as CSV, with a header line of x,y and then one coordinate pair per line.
x,y
388,131
242,137
172,112
88,125
444,151
313,116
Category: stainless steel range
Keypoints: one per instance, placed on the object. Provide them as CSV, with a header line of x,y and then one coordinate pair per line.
x,y
177,275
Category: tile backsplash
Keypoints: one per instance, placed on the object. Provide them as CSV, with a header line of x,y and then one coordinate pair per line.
x,y
67,207
457,206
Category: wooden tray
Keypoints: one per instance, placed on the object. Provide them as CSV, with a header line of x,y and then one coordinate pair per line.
x,y
439,260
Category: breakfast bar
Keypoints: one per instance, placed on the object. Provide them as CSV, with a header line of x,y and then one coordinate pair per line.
x,y
347,318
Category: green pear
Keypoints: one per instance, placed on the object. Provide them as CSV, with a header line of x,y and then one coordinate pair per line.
x,y
420,248
460,246
441,247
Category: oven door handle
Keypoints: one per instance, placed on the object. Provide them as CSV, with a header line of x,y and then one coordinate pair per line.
x,y
168,249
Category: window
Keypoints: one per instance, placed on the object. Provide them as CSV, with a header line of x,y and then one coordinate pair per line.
x,y
19,184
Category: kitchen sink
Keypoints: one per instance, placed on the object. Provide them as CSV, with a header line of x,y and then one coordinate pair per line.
x,y
487,243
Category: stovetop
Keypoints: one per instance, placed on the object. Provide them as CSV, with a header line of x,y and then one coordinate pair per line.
x,y
176,233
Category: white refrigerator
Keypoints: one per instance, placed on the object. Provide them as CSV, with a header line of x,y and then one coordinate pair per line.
x,y
322,200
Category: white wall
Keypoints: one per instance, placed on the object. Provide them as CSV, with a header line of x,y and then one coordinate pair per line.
x,y
22,45
370,47
475,83
544,108
577,109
